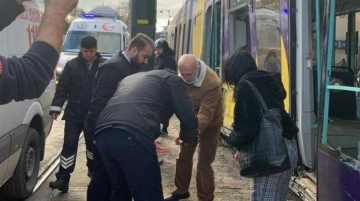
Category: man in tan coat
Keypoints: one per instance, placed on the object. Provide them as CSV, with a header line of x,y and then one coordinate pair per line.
x,y
204,91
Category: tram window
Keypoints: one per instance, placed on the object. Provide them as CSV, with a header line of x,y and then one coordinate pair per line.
x,y
268,37
357,58
239,29
341,63
207,36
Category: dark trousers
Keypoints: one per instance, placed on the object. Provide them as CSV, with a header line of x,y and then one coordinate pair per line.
x,y
165,125
89,142
69,151
204,173
100,186
131,164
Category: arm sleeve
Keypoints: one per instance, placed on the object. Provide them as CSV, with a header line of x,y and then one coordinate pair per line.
x,y
27,77
62,89
183,109
9,10
108,79
208,105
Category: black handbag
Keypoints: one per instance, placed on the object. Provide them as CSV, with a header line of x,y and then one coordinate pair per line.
x,y
266,153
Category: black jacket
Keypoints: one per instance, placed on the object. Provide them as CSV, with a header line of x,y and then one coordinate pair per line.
x,y
110,74
9,10
167,61
142,100
76,85
28,76
247,108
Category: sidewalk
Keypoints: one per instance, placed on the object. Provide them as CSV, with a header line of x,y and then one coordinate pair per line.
x,y
229,185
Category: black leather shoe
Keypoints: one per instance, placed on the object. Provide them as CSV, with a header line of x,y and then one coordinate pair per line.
x,y
175,196
60,184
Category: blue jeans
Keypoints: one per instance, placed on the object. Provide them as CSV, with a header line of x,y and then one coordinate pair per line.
x,y
131,163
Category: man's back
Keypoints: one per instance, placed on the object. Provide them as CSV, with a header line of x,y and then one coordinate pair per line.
x,y
142,98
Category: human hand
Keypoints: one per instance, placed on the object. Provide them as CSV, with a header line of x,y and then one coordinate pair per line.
x,y
236,155
54,115
62,7
184,138
177,141
160,151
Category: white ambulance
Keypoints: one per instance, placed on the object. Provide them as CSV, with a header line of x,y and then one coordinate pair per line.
x,y
110,32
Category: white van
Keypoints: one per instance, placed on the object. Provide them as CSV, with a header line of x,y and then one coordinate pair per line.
x,y
24,125
111,34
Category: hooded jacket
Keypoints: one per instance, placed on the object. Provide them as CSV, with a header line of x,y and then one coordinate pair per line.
x,y
247,108
166,61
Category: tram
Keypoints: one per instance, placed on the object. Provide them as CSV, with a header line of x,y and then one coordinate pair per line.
x,y
316,45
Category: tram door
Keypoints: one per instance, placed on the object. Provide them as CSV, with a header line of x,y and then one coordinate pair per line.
x,y
237,36
339,153
211,47
342,132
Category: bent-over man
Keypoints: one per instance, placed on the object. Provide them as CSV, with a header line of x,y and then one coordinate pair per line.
x,y
204,90
129,124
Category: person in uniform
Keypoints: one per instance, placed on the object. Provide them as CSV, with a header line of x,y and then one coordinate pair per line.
x,y
75,85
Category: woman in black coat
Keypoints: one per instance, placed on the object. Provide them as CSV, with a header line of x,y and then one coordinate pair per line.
x,y
241,66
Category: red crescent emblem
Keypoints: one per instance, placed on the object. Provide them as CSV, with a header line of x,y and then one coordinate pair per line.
x,y
1,67
108,27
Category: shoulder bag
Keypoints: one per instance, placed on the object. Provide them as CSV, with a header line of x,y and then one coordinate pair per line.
x,y
267,153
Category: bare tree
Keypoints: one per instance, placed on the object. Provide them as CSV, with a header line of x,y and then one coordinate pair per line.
x,y
123,10
71,17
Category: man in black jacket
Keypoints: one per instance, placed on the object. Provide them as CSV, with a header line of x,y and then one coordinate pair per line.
x,y
75,84
165,59
127,62
129,124
165,56
28,76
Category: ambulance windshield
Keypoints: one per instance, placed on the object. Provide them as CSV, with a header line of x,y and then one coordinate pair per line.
x,y
108,43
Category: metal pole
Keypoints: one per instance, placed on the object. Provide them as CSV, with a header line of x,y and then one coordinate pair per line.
x,y
330,51
318,49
